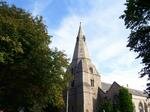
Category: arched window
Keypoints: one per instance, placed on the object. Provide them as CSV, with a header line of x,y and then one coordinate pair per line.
x,y
141,109
91,70
145,107
116,101
149,107
83,37
92,82
134,109
72,83
72,70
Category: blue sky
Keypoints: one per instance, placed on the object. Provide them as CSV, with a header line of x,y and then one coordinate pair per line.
x,y
105,33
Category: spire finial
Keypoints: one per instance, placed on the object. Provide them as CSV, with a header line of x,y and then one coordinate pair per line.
x,y
80,32
80,23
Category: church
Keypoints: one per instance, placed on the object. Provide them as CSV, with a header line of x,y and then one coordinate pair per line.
x,y
87,88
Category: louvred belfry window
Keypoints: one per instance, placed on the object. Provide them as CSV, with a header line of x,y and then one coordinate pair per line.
x,y
92,82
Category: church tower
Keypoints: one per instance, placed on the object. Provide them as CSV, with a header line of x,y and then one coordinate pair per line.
x,y
83,90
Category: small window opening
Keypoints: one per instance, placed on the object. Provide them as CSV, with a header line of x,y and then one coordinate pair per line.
x,y
91,70
92,82
83,37
72,83
141,109
72,70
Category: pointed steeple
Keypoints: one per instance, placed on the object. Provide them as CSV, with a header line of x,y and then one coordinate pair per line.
x,y
85,78
80,32
81,51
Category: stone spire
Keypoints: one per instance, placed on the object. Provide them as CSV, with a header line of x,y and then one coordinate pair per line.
x,y
83,92
81,51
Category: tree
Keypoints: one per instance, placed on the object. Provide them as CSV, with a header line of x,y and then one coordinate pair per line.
x,y
125,101
137,18
32,76
105,105
120,102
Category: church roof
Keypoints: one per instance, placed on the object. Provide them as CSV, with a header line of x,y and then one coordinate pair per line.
x,y
137,92
105,87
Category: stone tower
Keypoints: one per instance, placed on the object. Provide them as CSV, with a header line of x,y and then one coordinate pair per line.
x,y
83,90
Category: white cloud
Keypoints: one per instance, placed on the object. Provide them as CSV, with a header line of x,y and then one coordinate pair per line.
x,y
65,36
39,6
129,77
106,39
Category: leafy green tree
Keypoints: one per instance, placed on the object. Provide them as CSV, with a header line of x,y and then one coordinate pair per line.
x,y
106,106
32,76
125,101
137,18
122,102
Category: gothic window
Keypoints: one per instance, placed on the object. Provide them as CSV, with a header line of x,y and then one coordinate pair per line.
x,y
149,107
145,107
83,37
134,108
116,100
91,70
141,109
72,83
92,82
72,70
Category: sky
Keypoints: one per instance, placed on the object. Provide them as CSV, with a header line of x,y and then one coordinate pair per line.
x,y
106,35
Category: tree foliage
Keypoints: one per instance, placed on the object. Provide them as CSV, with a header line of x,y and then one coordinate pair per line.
x,y
32,76
105,106
137,18
125,101
122,102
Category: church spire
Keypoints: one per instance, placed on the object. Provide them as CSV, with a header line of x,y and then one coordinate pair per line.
x,y
81,51
80,32
86,81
